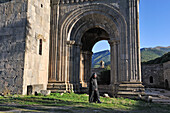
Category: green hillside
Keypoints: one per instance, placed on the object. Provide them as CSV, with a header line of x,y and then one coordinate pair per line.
x,y
159,60
147,54
150,54
100,56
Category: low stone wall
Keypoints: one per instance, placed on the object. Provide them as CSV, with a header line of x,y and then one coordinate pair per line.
x,y
103,76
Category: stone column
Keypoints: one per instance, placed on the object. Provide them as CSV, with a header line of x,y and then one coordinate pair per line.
x,y
82,59
112,71
70,61
85,71
76,67
138,45
114,61
115,66
134,46
53,44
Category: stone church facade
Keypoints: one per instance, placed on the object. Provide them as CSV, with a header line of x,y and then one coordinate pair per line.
x,y
47,44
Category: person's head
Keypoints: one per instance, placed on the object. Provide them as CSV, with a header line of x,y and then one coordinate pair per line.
x,y
94,75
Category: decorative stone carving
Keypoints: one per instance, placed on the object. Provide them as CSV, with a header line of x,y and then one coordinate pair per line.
x,y
71,42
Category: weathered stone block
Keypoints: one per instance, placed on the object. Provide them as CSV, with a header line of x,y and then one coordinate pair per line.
x,y
45,92
37,88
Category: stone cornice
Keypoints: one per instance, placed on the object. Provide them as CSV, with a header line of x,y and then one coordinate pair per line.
x,y
69,1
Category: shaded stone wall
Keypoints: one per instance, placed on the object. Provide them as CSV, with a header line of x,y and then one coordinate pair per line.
x,y
156,71
12,44
166,67
38,28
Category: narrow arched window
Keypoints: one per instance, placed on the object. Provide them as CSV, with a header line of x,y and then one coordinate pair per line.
x,y
166,84
40,47
151,79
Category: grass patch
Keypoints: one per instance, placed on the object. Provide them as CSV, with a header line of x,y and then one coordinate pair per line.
x,y
6,108
71,102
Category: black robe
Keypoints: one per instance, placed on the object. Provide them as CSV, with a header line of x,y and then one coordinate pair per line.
x,y
93,90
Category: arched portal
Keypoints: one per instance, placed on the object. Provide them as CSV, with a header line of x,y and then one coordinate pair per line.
x,y
75,30
85,34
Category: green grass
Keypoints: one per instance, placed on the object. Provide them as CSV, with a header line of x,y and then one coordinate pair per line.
x,y
77,102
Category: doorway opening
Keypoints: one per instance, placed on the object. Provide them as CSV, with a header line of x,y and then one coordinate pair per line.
x,y
29,90
166,84
101,62
95,55
151,79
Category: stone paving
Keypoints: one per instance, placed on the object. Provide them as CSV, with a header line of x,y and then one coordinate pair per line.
x,y
159,95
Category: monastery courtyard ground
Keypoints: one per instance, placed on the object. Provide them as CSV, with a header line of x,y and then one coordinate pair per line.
x,y
75,103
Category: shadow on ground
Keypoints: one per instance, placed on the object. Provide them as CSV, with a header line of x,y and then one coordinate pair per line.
x,y
33,104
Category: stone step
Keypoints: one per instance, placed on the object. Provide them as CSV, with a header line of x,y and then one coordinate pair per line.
x,y
131,86
58,91
160,101
126,82
56,88
130,93
131,89
128,96
60,87
56,83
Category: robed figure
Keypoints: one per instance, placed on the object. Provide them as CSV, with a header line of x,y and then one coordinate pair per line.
x,y
93,89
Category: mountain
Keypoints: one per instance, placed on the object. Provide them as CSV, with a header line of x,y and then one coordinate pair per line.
x,y
100,56
147,54
159,60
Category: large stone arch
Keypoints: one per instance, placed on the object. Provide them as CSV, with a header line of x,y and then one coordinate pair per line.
x,y
75,22
83,19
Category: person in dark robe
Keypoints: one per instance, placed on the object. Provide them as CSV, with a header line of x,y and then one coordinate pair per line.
x,y
93,90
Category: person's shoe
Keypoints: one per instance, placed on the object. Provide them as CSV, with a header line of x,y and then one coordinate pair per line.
x,y
92,102
99,102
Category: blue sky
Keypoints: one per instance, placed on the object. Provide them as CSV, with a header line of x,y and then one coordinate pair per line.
x,y
154,25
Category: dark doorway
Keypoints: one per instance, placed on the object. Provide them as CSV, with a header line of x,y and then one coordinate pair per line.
x,y
151,79
29,90
166,84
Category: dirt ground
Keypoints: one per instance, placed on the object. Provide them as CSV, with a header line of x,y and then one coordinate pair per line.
x,y
160,96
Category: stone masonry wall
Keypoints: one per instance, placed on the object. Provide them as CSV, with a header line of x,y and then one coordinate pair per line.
x,y
12,44
38,27
166,67
156,71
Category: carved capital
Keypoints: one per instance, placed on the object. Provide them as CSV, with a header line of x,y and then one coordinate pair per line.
x,y
87,52
71,42
114,42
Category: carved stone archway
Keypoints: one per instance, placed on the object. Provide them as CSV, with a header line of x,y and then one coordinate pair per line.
x,y
67,45
92,20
